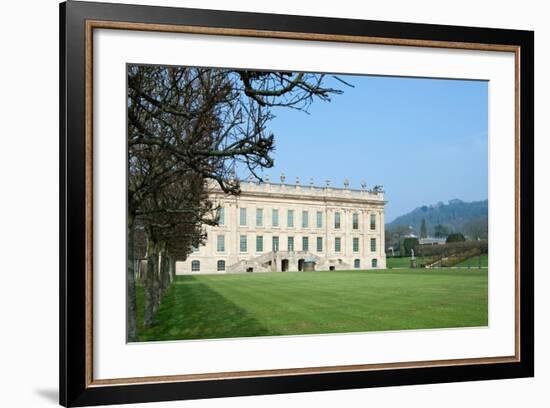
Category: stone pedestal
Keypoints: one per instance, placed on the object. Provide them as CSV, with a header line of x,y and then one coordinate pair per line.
x,y
413,262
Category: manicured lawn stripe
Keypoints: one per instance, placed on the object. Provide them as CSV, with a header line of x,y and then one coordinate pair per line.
x,y
404,262
268,304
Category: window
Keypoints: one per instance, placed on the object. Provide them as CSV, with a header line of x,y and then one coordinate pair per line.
x,y
319,244
195,248
355,221
305,244
373,244
305,219
242,217
337,244
373,221
275,218
290,219
319,219
259,217
275,244
290,243
221,216
221,266
221,243
337,220
259,243
243,243
195,266
355,244
356,263
374,263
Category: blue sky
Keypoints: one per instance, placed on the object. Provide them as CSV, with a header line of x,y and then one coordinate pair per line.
x,y
424,140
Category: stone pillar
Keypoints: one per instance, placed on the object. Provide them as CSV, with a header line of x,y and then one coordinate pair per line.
x,y
382,235
346,236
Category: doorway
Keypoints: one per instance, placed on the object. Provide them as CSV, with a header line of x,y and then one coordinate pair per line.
x,y
284,265
300,265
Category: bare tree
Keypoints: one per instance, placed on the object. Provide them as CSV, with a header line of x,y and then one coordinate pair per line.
x,y
423,229
477,228
186,126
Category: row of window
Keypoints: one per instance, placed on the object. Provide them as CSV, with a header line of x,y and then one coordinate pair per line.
x,y
196,265
357,263
243,244
243,220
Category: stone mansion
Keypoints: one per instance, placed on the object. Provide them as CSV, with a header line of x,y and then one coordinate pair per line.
x,y
292,227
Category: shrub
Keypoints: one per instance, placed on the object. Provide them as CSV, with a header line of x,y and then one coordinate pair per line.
x,y
410,243
456,237
454,248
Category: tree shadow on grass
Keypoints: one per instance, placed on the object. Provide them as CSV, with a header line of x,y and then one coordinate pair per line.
x,y
192,310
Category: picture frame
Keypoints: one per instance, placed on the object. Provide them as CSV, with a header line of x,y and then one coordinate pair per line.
x,y
79,21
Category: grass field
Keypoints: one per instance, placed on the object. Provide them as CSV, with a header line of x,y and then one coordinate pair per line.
x,y
474,262
268,304
404,262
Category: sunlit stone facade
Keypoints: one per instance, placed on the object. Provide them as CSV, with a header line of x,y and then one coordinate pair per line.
x,y
284,227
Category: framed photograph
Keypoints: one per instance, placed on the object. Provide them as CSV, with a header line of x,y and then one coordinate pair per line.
x,y
257,204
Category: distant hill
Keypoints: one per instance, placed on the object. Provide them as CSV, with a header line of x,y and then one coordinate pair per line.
x,y
456,214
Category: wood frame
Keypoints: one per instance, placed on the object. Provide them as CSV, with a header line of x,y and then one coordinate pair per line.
x,y
77,22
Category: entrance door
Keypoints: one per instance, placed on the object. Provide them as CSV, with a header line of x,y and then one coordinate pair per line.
x,y
300,265
284,265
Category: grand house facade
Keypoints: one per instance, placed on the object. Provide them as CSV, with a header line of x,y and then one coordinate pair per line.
x,y
286,227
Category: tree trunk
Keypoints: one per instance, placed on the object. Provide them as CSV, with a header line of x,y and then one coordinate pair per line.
x,y
131,327
137,269
151,283
164,273
172,269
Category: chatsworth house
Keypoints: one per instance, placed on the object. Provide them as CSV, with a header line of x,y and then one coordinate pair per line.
x,y
278,227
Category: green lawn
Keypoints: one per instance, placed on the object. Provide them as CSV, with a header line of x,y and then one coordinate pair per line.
x,y
268,304
474,262
404,262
